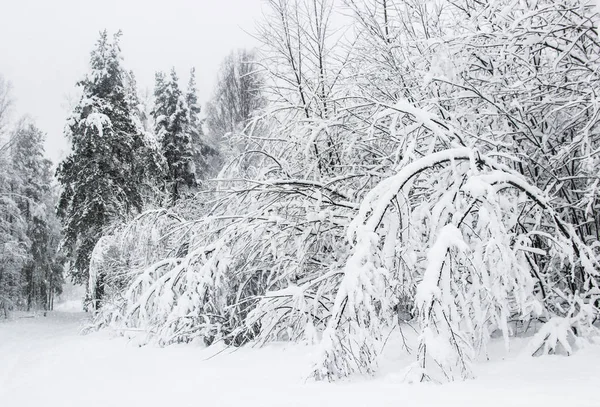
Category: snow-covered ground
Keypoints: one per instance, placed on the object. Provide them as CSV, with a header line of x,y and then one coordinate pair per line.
x,y
44,361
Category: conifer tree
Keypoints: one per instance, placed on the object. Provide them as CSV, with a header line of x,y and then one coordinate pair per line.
x,y
133,99
160,112
172,127
100,178
150,163
191,98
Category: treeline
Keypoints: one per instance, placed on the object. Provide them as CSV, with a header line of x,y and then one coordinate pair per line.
x,y
31,268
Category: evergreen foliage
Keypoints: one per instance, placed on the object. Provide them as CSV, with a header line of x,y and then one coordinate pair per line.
x,y
174,132
101,178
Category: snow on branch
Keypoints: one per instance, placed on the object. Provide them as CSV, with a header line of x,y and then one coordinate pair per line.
x,y
468,286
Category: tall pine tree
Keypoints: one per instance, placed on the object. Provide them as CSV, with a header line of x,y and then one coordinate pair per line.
x,y
101,179
172,127
150,162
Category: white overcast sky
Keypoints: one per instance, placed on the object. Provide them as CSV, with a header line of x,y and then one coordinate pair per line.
x,y
45,46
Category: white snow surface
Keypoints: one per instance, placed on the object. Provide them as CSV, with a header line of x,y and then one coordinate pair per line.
x,y
45,361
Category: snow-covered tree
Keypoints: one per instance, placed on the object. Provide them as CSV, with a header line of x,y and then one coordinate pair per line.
x,y
13,237
100,179
174,132
438,163
206,154
237,95
30,267
6,102
150,162
42,272
14,245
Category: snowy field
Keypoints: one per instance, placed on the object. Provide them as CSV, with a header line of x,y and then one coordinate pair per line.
x,y
45,361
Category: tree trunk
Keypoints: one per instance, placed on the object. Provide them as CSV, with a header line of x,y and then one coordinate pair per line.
x,y
4,304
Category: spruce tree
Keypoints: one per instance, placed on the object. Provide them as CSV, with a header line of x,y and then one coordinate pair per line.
x,y
191,98
100,178
161,104
172,127
150,163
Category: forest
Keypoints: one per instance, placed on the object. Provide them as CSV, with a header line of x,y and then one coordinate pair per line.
x,y
427,171
31,266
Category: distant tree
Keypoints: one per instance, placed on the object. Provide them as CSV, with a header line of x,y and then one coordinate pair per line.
x,y
237,94
199,147
14,244
161,103
32,184
13,238
42,272
100,179
172,128
191,98
206,152
150,165
5,102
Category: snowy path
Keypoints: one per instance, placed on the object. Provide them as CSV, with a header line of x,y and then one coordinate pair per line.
x,y
44,361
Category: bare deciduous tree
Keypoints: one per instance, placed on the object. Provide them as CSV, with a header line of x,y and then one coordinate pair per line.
x,y
237,94
6,102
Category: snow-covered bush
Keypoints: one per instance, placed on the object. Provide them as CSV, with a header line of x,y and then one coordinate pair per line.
x,y
469,244
409,172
